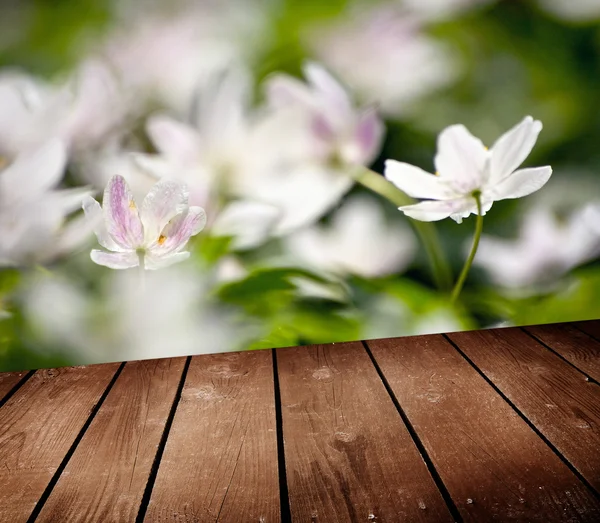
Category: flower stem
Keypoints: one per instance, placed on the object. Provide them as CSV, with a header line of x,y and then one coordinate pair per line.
x,y
465,271
426,231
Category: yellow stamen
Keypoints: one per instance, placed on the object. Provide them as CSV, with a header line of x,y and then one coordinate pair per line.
x,y
437,173
162,239
486,148
132,205
3,162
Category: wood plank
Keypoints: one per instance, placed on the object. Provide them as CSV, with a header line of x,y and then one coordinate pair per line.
x,y
591,327
106,476
554,396
8,380
38,425
349,456
493,464
220,460
575,346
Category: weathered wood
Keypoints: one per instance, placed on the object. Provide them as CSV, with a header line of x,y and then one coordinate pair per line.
x,y
220,460
349,456
591,327
38,425
554,396
575,346
105,478
8,380
493,464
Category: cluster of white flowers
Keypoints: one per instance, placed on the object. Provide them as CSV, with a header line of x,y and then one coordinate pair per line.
x,y
163,124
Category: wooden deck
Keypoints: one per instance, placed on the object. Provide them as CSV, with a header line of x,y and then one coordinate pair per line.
x,y
496,425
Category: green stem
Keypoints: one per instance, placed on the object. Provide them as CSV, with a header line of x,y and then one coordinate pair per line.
x,y
426,231
465,271
142,269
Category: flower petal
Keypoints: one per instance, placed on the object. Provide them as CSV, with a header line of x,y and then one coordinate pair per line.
x,y
511,149
368,135
460,158
416,182
153,263
121,214
432,211
115,260
165,200
33,173
283,91
521,183
178,231
172,138
327,87
95,217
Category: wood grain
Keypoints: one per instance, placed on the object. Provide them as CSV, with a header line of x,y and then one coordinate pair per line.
x,y
493,464
106,476
8,380
220,460
37,427
577,347
349,456
554,396
591,327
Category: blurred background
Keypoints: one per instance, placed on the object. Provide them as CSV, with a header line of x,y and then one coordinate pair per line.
x,y
294,251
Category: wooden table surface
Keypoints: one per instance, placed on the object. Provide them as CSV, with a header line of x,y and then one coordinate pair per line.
x,y
495,425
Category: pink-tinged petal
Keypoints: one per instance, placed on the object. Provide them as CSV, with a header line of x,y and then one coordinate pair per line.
x,y
432,211
33,173
327,87
460,158
172,138
283,91
178,231
153,263
368,135
165,200
120,211
512,148
115,260
417,183
95,218
522,183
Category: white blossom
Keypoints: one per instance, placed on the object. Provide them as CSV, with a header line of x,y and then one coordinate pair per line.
x,y
466,169
153,236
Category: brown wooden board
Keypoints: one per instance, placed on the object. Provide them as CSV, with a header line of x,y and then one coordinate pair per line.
x,y
8,380
493,464
577,347
220,460
554,396
591,327
349,457
38,425
105,478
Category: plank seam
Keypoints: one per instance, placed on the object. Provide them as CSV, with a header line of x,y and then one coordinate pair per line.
x,y
50,487
284,498
569,465
16,387
161,446
439,483
545,345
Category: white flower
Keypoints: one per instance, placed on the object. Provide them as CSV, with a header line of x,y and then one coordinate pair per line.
x,y
171,315
80,111
358,241
384,57
33,211
235,152
341,131
466,168
545,249
153,236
